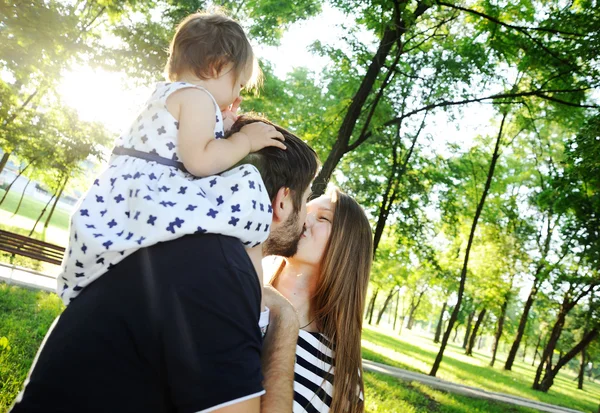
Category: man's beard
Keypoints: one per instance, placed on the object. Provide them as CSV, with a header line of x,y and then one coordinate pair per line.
x,y
284,241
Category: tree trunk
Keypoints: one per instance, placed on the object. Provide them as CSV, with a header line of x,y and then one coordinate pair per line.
x,y
455,333
581,370
548,379
4,161
387,201
510,359
438,329
480,317
396,312
537,279
391,191
524,350
60,191
480,342
546,359
411,318
567,305
401,323
537,350
468,330
499,329
13,181
21,199
463,274
390,37
413,309
17,112
41,215
371,310
385,304
9,120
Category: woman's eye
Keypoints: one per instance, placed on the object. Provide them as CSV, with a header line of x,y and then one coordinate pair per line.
x,y
325,219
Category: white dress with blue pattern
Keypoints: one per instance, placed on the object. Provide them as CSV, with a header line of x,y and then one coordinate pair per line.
x,y
136,203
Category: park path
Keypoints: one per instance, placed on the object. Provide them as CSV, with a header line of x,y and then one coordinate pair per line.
x,y
27,278
462,389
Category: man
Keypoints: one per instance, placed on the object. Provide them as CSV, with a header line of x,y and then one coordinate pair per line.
x,y
174,327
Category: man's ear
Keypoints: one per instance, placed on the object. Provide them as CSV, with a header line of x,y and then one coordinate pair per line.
x,y
282,205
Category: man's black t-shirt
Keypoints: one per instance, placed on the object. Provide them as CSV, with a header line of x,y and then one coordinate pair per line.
x,y
171,328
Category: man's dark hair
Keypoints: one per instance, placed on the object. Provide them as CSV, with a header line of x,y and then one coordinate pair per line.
x,y
293,168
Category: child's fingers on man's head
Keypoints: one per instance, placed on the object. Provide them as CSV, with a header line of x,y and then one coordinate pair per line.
x,y
277,144
278,135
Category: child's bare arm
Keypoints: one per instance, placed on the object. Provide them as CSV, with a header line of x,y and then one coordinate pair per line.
x,y
200,152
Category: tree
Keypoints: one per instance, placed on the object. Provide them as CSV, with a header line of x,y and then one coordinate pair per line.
x,y
463,275
462,44
38,41
471,344
144,44
75,142
388,274
576,192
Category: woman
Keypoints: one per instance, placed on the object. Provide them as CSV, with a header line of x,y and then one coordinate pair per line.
x,y
326,281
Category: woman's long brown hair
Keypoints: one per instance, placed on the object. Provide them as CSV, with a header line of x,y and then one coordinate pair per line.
x,y
339,300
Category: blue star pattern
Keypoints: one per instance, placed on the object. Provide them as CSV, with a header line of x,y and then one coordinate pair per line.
x,y
136,203
177,223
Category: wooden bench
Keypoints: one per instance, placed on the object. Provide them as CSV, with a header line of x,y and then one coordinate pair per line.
x,y
31,248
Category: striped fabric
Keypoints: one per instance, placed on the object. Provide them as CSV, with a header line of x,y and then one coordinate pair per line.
x,y
313,373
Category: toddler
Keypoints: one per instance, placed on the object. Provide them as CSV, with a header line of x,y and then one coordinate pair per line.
x,y
161,181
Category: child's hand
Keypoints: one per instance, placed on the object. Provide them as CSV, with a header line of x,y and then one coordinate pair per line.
x,y
260,135
230,115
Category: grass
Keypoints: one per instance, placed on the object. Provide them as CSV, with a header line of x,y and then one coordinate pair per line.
x,y
26,315
57,231
416,353
386,394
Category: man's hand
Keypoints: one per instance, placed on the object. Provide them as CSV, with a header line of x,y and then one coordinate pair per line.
x,y
279,353
278,358
279,305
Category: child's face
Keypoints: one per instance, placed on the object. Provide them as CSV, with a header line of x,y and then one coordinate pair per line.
x,y
226,88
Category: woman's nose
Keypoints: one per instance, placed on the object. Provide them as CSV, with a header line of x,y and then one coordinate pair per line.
x,y
310,219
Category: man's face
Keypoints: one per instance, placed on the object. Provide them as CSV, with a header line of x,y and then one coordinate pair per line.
x,y
283,240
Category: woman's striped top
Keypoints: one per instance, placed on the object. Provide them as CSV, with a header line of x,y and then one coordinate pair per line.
x,y
313,373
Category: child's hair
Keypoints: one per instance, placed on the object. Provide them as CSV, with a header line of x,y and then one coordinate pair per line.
x,y
205,43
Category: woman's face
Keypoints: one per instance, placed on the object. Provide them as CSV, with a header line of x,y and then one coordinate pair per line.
x,y
319,219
